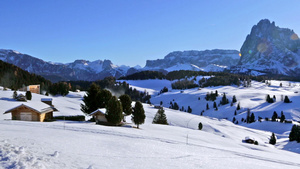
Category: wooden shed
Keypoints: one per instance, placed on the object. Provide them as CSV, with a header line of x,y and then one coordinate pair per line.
x,y
31,112
99,115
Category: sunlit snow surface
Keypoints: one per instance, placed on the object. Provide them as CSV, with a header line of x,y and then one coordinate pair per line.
x,y
180,145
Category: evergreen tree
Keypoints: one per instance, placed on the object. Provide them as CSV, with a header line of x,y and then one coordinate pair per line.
x,y
275,116
215,105
234,99
269,100
28,95
189,109
238,106
295,133
273,139
160,117
114,111
207,106
15,94
282,117
90,100
216,93
224,100
138,114
161,102
286,99
126,103
200,126
252,118
233,120
175,107
104,96
216,109
235,113
274,98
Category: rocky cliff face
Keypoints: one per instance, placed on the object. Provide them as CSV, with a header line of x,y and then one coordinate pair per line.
x,y
271,49
195,60
77,70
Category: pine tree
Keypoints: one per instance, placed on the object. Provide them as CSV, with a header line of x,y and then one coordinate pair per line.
x,y
224,99
28,95
235,113
90,100
200,126
273,139
160,117
104,96
295,133
189,109
286,99
282,117
238,106
233,120
275,116
207,106
126,104
138,114
252,118
215,105
114,111
175,107
234,99
216,93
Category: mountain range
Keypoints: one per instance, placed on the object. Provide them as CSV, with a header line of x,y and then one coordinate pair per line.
x,y
267,49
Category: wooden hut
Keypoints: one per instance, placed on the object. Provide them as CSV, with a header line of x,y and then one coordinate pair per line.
x,y
31,112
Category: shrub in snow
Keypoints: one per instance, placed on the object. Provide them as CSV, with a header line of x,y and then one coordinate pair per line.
x,y
160,117
273,139
200,126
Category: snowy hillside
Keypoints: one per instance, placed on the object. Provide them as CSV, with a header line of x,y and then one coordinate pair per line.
x,y
179,145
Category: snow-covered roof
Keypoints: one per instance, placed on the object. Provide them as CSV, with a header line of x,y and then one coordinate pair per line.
x,y
46,99
39,107
102,111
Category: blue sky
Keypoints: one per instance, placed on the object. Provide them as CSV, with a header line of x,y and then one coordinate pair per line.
x,y
131,31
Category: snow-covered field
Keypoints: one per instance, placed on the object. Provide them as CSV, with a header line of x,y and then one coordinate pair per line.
x,y
219,144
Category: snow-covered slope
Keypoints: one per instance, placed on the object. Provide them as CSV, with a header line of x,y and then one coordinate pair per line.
x,y
180,145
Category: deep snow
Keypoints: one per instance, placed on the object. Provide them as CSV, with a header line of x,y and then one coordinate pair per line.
x,y
66,144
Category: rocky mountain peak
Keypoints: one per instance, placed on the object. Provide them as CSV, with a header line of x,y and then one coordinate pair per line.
x,y
269,47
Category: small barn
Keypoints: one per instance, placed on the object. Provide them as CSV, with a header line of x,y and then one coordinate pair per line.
x,y
99,115
31,112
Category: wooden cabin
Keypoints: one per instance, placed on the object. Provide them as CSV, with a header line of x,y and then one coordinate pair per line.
x,y
32,112
99,115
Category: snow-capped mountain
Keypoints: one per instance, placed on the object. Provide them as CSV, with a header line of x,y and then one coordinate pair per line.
x,y
208,60
77,70
271,49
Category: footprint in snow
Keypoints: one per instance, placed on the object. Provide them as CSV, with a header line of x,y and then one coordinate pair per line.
x,y
56,154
